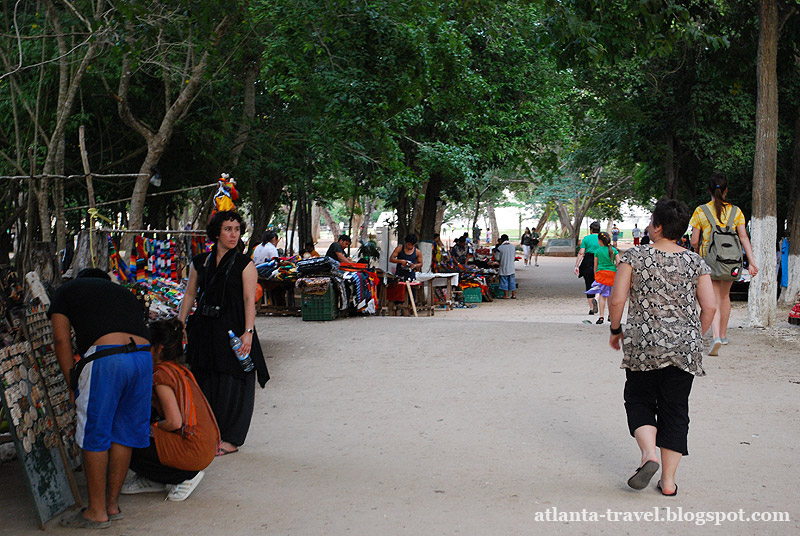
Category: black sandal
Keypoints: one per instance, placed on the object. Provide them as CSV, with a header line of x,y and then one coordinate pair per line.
x,y
643,474
667,494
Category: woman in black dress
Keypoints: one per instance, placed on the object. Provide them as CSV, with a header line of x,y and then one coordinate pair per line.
x,y
224,283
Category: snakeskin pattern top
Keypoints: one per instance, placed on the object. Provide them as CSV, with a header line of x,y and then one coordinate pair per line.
x,y
663,325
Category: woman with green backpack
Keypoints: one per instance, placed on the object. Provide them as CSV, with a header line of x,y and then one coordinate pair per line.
x,y
719,235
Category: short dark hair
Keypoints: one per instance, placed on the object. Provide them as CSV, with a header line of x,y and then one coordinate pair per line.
x,y
215,225
411,238
503,237
595,227
672,216
96,273
344,238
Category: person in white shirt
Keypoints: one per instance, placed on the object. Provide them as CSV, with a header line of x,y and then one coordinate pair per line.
x,y
506,255
267,248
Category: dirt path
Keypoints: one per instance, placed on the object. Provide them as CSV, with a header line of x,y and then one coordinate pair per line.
x,y
479,421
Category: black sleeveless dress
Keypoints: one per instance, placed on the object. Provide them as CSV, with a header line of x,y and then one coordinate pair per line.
x,y
230,391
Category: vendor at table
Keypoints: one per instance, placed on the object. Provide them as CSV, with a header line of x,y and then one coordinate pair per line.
x,y
459,250
336,251
408,258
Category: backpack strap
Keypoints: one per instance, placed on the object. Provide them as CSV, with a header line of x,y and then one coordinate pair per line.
x,y
732,217
712,221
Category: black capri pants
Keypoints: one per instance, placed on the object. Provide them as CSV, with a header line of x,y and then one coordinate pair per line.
x,y
660,398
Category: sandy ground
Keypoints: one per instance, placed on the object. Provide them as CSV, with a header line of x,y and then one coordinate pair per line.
x,y
480,421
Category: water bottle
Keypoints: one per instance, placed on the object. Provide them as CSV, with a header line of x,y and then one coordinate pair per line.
x,y
244,360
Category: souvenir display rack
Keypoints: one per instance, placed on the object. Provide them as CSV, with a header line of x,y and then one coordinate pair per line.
x,y
40,413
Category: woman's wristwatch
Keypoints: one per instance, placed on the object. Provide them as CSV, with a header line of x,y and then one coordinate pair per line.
x,y
249,330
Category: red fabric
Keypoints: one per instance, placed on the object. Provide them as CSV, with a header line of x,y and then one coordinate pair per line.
x,y
605,277
395,292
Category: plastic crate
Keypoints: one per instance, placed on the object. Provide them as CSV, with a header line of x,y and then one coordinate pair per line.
x,y
495,288
473,295
319,307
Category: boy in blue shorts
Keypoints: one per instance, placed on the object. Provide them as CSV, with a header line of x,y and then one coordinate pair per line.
x,y
112,396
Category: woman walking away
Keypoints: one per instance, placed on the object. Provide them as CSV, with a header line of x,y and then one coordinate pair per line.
x,y
525,242
184,436
224,283
717,213
606,259
584,264
662,341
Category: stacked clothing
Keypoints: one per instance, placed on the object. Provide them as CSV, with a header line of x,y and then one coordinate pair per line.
x,y
279,268
313,285
317,265
364,289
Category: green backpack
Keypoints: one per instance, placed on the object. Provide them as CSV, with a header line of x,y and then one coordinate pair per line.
x,y
724,255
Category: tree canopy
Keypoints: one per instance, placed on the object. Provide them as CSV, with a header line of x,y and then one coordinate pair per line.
x,y
408,105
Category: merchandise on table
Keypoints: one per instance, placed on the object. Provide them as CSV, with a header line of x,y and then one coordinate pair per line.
x,y
794,315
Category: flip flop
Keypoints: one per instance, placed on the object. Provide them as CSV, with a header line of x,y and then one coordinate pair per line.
x,y
643,474
115,517
77,521
224,452
667,494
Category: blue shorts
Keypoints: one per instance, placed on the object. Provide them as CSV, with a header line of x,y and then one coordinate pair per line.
x,y
508,282
113,400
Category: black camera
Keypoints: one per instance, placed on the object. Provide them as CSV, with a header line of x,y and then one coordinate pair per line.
x,y
210,311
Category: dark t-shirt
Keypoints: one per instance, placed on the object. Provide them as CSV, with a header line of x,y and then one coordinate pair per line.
x,y
96,307
335,248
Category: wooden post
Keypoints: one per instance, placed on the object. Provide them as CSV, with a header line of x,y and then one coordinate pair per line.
x,y
85,160
411,298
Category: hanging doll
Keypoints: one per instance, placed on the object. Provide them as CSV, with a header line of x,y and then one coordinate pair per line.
x,y
226,194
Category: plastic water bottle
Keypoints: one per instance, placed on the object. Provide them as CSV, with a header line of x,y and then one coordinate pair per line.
x,y
244,360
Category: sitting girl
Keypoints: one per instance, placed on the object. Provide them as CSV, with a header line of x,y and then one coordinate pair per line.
x,y
184,435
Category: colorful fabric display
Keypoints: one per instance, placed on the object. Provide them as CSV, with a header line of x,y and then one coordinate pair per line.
x,y
118,266
141,260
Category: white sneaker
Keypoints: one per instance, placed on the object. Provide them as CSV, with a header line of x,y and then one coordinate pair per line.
x,y
715,346
139,484
724,340
180,492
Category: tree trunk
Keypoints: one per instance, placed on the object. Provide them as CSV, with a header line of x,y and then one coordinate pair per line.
x,y
267,194
249,104
432,192
58,200
790,295
334,226
440,218
90,255
493,222
403,213
545,216
761,304
478,195
369,208
566,224
315,215
44,261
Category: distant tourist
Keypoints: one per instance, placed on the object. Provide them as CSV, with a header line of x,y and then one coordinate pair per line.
x,y
506,255
637,234
721,212
584,264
